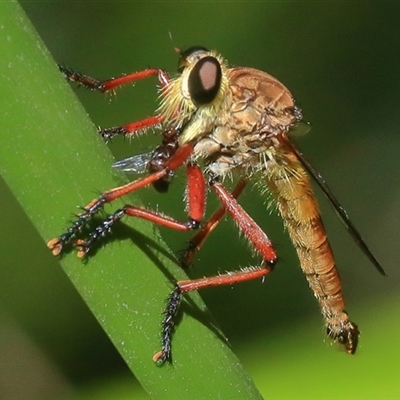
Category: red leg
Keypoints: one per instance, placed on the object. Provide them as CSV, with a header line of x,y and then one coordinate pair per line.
x,y
199,239
85,245
130,129
196,205
176,161
246,224
196,192
110,85
258,239
182,287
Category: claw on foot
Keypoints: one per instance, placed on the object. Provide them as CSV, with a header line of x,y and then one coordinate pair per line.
x,y
82,248
159,358
55,245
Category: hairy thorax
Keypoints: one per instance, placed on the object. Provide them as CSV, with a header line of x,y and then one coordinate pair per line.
x,y
249,122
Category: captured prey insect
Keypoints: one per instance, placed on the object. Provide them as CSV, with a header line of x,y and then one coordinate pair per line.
x,y
216,122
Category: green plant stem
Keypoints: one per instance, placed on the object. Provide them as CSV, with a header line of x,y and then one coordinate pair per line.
x,y
52,160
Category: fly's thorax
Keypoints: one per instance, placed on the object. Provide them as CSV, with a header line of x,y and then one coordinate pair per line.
x,y
260,99
226,149
229,115
232,146
256,112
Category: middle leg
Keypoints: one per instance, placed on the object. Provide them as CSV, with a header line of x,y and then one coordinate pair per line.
x,y
201,236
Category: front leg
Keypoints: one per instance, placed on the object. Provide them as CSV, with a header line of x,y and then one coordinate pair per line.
x,y
109,85
90,210
131,129
196,205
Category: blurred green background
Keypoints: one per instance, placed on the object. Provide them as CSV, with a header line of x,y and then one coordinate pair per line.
x,y
341,60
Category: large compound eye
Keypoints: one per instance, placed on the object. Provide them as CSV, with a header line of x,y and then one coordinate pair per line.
x,y
205,80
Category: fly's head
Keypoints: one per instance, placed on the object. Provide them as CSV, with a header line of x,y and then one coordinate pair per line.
x,y
193,99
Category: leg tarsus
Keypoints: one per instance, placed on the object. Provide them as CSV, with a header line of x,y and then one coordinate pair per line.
x,y
174,300
170,312
57,244
84,246
176,161
83,80
108,133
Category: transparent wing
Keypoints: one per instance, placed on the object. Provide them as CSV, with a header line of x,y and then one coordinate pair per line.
x,y
134,165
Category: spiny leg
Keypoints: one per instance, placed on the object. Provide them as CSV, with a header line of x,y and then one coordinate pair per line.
x,y
57,244
130,129
84,245
196,205
259,240
182,287
91,209
110,85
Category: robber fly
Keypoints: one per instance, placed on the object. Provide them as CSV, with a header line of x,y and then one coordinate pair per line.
x,y
216,122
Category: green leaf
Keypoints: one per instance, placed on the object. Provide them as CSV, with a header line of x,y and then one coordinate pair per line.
x,y
52,159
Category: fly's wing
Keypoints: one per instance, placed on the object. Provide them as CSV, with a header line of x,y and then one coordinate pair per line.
x,y
299,129
137,164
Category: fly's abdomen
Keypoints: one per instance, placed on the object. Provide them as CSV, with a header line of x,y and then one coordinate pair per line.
x,y
298,207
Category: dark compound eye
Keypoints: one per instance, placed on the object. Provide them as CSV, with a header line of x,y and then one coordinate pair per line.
x,y
205,80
